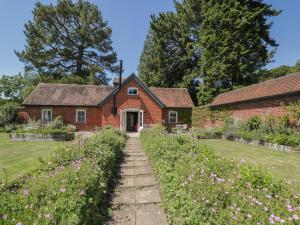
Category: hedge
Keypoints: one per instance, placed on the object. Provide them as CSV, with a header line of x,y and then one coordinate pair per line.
x,y
200,187
68,188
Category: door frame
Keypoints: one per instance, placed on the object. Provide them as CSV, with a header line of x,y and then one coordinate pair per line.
x,y
123,118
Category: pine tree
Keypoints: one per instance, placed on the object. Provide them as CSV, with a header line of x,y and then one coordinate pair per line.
x,y
235,37
170,56
68,41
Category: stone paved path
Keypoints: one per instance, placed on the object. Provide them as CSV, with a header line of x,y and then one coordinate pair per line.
x,y
137,199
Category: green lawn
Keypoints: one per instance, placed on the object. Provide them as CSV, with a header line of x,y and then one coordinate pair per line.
x,y
20,157
282,165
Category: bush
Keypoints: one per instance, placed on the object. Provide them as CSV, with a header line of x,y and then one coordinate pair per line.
x,y
9,114
57,123
199,187
253,123
70,187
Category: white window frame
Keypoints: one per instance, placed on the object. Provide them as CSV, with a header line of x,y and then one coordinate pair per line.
x,y
133,88
80,110
176,118
43,118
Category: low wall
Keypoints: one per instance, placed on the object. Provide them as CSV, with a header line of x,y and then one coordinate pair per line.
x,y
41,137
283,148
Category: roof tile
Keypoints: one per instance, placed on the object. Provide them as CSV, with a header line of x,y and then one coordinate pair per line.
x,y
279,86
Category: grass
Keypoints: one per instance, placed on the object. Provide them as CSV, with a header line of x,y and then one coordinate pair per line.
x,y
18,158
283,165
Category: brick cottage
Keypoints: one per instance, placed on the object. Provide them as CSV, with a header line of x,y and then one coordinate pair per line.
x,y
262,99
129,106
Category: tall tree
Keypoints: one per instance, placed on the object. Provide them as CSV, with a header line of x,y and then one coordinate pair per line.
x,y
16,88
235,37
69,40
170,57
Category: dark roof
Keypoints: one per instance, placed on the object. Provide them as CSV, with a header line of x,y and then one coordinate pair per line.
x,y
67,95
131,77
93,95
280,86
174,97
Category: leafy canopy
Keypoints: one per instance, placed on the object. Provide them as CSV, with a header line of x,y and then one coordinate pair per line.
x,y
70,41
234,42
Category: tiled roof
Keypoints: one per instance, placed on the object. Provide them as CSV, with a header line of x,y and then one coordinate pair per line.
x,y
280,86
67,95
174,97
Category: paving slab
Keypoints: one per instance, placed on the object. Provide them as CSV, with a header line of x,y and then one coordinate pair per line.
x,y
127,182
145,180
150,214
140,163
147,195
144,170
124,197
137,199
125,171
124,215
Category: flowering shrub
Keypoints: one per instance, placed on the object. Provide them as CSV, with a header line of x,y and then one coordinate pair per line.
x,y
68,188
199,187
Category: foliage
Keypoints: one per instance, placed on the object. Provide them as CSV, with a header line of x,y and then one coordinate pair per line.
x,y
208,133
253,123
234,42
199,187
279,130
279,71
68,41
171,54
201,115
68,188
16,88
9,113
55,127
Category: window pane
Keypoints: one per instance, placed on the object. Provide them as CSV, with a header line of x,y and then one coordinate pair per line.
x,y
81,116
132,91
47,116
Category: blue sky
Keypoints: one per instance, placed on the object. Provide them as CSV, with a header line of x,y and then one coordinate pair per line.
x,y
130,22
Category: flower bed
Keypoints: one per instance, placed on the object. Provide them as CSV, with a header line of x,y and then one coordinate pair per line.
x,y
199,187
68,188
264,141
62,136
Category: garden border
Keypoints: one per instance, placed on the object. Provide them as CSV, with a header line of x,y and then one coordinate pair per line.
x,y
274,146
24,137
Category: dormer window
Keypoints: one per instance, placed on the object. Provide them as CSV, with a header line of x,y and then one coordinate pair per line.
x,y
132,91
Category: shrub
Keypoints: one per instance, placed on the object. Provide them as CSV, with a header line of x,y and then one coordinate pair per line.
x,y
9,114
200,187
57,123
228,122
69,187
253,123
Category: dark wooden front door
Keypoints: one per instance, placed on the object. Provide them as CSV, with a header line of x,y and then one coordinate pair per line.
x,y
132,121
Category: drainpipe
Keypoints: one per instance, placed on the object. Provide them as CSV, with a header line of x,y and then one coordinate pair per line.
x,y
120,84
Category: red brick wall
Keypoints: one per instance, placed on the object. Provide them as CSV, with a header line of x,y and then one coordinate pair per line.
x,y
93,115
261,108
152,111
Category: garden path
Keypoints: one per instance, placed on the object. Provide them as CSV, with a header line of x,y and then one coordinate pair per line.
x,y
137,199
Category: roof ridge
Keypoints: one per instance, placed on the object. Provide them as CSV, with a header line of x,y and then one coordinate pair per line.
x,y
261,83
168,88
86,85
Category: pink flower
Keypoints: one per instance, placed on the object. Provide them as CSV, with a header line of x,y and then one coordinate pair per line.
x,y
62,190
266,209
26,192
290,208
19,224
295,217
82,193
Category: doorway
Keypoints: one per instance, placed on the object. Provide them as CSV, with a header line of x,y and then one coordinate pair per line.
x,y
132,121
